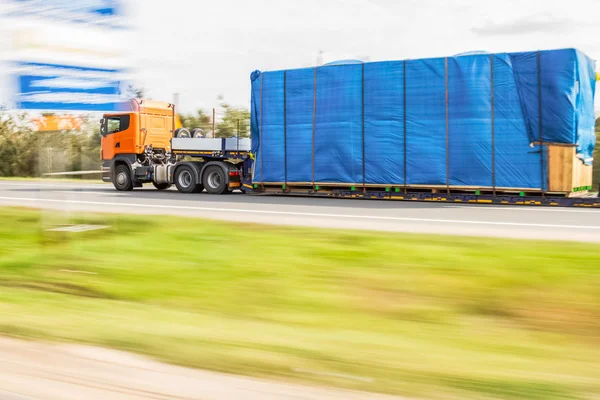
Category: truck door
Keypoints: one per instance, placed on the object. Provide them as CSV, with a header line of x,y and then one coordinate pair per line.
x,y
115,136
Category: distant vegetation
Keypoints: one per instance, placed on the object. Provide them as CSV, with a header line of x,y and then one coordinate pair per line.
x,y
226,127
27,153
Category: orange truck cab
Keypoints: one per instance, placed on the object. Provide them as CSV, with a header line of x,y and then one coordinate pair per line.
x,y
135,137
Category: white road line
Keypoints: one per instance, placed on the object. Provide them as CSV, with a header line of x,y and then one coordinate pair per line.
x,y
82,192
522,208
300,214
54,185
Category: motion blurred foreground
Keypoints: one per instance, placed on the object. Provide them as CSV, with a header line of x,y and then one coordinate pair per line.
x,y
412,315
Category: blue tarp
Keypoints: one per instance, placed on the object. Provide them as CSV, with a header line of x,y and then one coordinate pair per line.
x,y
468,120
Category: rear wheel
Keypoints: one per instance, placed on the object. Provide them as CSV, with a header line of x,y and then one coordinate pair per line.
x,y
161,186
122,178
214,180
185,180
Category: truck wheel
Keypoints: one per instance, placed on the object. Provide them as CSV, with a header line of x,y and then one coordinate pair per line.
x,y
161,186
122,178
198,133
185,180
214,180
182,133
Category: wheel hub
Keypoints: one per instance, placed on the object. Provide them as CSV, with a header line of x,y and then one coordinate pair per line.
x,y
185,179
214,180
121,178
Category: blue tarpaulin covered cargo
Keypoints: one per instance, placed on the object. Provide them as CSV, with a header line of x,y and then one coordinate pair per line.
x,y
479,120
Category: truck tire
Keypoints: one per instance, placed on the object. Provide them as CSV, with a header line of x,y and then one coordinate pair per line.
x,y
161,186
198,133
122,178
214,180
185,180
182,133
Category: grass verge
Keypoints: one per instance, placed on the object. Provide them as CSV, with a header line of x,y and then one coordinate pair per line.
x,y
418,315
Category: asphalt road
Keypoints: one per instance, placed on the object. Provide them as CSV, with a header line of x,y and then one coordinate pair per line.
x,y
42,371
525,222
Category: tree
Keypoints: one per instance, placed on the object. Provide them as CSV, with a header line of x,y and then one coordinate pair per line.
x,y
198,120
228,127
28,153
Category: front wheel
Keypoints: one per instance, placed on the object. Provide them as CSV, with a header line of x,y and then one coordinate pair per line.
x,y
185,180
161,186
122,178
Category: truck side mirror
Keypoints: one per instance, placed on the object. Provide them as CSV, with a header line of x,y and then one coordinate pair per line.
x,y
103,127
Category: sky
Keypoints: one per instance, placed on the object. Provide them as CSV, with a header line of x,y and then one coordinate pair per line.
x,y
203,50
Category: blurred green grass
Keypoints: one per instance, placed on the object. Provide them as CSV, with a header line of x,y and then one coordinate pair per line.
x,y
419,315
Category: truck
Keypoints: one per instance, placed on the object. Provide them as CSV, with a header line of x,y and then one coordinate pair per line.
x,y
148,145
483,128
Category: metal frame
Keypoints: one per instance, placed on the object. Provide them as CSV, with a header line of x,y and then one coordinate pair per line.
x,y
454,198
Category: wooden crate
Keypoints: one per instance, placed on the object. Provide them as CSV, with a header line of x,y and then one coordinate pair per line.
x,y
566,172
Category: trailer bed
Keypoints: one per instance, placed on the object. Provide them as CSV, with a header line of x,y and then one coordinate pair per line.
x,y
210,144
588,200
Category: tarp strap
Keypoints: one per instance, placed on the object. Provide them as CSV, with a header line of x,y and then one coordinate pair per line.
x,y
540,120
363,124
285,128
314,124
404,104
260,132
447,131
493,124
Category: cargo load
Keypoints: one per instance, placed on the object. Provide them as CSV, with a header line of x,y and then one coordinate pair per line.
x,y
506,121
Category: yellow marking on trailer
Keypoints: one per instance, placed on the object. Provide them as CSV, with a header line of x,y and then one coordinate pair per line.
x,y
193,152
484,201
